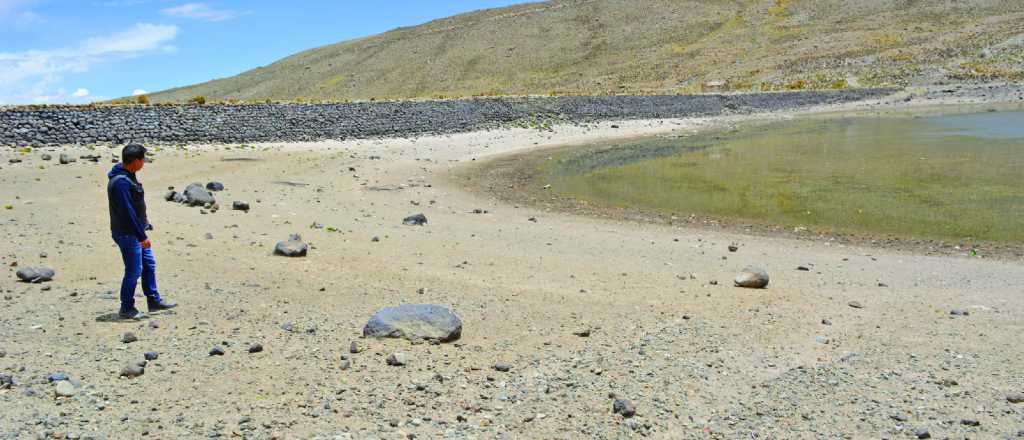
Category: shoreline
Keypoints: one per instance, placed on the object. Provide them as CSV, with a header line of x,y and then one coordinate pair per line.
x,y
512,177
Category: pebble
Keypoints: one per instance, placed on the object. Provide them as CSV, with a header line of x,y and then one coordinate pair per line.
x,y
354,347
255,348
856,305
1015,398
217,351
57,377
397,359
624,408
133,370
970,422
583,333
129,337
151,355
922,433
959,312
503,367
65,389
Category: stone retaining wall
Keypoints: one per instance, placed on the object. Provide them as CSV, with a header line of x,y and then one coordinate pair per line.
x,y
42,126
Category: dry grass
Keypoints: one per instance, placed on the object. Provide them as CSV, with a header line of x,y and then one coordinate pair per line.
x,y
643,46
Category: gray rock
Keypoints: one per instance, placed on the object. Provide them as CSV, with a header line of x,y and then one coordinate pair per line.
x,y
824,340
503,367
65,159
46,157
151,355
354,347
133,370
255,348
856,305
414,322
38,274
215,186
752,278
57,377
583,332
959,312
196,195
970,422
64,389
922,433
217,351
129,337
624,408
240,206
293,247
6,381
1015,397
398,359
415,220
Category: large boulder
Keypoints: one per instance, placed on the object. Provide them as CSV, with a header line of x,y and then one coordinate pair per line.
x,y
293,247
752,278
36,274
196,195
415,322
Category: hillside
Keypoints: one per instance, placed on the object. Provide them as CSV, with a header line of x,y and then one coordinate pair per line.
x,y
652,46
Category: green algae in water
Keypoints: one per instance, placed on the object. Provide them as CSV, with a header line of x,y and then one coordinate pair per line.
x,y
940,177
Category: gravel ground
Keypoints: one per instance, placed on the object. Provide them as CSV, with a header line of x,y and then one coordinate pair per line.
x,y
581,312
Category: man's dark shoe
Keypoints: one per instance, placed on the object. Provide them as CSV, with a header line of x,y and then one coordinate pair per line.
x,y
155,306
131,314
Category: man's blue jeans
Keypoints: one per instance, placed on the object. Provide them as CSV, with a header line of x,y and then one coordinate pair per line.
x,y
137,262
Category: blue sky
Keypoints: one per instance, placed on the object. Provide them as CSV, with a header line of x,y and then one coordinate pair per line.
x,y
54,51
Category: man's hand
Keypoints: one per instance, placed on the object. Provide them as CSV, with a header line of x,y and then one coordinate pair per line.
x,y
146,244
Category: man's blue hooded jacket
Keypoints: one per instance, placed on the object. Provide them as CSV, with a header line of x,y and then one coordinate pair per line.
x,y
127,204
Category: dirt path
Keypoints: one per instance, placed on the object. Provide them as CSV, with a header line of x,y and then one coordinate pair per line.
x,y
698,357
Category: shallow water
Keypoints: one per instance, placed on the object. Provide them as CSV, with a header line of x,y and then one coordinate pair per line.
x,y
954,176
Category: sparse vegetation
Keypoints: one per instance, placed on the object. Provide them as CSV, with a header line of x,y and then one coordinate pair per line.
x,y
198,100
606,47
142,99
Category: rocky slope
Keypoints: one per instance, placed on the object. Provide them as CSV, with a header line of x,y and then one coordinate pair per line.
x,y
652,46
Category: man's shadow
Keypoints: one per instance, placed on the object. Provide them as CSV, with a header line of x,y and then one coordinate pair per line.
x,y
113,317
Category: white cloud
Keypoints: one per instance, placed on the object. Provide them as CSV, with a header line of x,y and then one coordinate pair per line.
x,y
80,93
138,92
29,76
200,11
17,13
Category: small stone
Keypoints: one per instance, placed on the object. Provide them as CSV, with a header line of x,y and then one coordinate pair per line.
x,y
66,159
133,370
970,422
624,408
217,351
215,186
733,248
255,348
922,433
826,322
803,268
1015,397
415,220
151,355
240,206
752,278
6,381
856,305
57,377
583,332
355,347
503,367
64,389
397,359
129,337
959,312
293,247
345,363
824,340
37,274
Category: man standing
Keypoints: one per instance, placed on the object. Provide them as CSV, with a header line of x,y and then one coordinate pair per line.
x,y
128,225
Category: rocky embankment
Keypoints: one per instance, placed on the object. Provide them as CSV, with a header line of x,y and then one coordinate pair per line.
x,y
50,125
